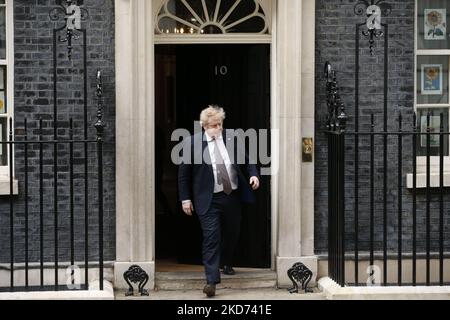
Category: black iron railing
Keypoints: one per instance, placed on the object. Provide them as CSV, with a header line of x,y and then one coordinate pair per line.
x,y
336,124
378,169
52,195
60,195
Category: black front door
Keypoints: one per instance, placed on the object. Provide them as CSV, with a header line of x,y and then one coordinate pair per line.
x,y
188,79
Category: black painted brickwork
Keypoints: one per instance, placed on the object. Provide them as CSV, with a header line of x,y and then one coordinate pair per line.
x,y
33,70
335,42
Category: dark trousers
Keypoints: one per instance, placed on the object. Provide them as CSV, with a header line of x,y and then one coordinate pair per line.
x,y
221,227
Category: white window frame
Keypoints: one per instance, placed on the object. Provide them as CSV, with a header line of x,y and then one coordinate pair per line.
x,y
9,63
434,160
5,178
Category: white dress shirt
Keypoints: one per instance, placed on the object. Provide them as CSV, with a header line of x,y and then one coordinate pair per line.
x,y
226,159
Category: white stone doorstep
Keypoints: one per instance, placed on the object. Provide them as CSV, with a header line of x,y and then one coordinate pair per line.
x,y
333,291
94,293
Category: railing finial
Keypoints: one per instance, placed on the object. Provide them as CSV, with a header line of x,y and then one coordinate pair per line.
x,y
73,14
336,116
99,125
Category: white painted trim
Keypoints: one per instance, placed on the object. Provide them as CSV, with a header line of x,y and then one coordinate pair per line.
x,y
93,293
431,106
421,161
295,113
307,125
421,180
212,39
415,55
236,38
289,114
134,131
335,292
432,52
10,56
9,62
274,140
5,186
135,212
434,162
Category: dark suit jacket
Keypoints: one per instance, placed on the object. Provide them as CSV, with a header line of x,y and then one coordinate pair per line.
x,y
196,181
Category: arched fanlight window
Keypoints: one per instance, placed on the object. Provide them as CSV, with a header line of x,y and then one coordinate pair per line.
x,y
211,17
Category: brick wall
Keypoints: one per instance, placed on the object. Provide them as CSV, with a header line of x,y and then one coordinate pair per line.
x,y
335,42
33,71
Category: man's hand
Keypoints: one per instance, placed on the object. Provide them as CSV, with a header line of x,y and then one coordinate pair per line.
x,y
188,208
254,182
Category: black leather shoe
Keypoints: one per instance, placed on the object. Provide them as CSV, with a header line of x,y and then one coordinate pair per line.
x,y
228,270
210,290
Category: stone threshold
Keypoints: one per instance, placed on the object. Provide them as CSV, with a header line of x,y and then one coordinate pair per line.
x,y
333,291
244,278
259,294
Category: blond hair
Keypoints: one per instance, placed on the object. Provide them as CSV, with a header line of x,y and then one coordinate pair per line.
x,y
212,112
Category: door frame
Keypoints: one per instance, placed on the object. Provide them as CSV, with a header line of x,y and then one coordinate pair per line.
x,y
292,114
243,39
270,61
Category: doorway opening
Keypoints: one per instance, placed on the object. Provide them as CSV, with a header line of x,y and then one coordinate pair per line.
x,y
188,78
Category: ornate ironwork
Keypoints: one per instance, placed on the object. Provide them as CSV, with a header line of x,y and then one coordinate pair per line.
x,y
197,18
73,14
299,273
99,125
136,274
374,10
336,117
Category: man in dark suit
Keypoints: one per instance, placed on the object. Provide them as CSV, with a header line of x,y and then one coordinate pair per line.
x,y
215,187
